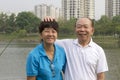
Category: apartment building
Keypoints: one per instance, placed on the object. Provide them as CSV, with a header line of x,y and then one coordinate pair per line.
x,y
43,10
112,8
78,9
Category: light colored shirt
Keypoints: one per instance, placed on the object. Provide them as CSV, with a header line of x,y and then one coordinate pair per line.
x,y
39,65
83,63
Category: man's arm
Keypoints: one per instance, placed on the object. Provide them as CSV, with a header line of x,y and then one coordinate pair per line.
x,y
48,18
101,76
31,77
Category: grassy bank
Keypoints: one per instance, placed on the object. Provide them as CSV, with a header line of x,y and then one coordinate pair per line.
x,y
104,41
7,37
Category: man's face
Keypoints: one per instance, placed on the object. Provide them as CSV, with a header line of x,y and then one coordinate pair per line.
x,y
84,29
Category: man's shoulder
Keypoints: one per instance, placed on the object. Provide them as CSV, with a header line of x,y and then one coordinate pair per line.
x,y
96,46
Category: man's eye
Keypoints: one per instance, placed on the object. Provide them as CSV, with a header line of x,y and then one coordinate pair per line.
x,y
79,26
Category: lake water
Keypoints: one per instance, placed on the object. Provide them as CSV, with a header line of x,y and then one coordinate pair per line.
x,y
13,59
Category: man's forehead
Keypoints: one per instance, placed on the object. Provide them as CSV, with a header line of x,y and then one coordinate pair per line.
x,y
83,21
81,24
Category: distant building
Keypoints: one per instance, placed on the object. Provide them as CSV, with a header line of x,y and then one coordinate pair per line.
x,y
78,9
112,8
44,10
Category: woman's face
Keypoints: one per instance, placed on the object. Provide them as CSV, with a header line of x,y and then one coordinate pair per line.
x,y
49,35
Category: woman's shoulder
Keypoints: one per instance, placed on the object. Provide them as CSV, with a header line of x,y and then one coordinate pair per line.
x,y
36,50
58,47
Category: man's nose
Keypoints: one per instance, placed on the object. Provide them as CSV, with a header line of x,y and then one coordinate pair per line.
x,y
82,28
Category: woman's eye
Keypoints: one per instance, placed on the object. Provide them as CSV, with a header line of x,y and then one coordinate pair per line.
x,y
47,31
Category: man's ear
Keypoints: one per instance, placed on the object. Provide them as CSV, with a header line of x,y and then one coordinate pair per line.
x,y
93,31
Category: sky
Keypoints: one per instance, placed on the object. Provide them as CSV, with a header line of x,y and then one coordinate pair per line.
x,y
16,6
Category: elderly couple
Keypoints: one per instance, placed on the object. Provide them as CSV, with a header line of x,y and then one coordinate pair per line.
x,y
66,59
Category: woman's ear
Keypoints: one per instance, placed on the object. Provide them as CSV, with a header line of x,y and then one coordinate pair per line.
x,y
40,36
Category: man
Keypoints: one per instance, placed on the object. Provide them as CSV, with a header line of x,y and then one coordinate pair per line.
x,y
85,59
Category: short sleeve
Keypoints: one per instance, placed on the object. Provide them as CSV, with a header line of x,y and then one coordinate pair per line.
x,y
102,62
31,65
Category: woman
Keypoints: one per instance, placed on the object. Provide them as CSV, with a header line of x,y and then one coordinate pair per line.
x,y
47,60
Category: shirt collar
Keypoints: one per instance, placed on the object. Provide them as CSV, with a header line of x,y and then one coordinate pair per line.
x,y
43,53
42,49
77,43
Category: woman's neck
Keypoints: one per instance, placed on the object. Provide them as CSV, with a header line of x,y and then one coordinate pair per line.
x,y
49,51
49,47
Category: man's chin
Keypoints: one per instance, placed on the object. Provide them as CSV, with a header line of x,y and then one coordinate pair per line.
x,y
82,39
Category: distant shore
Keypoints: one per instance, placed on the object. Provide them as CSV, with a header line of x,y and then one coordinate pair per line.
x,y
104,41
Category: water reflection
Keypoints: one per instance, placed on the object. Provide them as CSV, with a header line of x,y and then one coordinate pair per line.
x,y
113,63
12,61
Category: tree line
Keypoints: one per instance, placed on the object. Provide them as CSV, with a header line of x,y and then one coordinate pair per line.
x,y
27,22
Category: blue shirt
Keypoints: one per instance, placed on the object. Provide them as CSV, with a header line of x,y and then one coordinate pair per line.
x,y
38,64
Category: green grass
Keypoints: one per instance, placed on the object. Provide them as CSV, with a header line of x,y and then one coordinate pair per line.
x,y
5,37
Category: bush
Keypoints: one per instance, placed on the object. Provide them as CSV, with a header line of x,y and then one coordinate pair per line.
x,y
20,33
